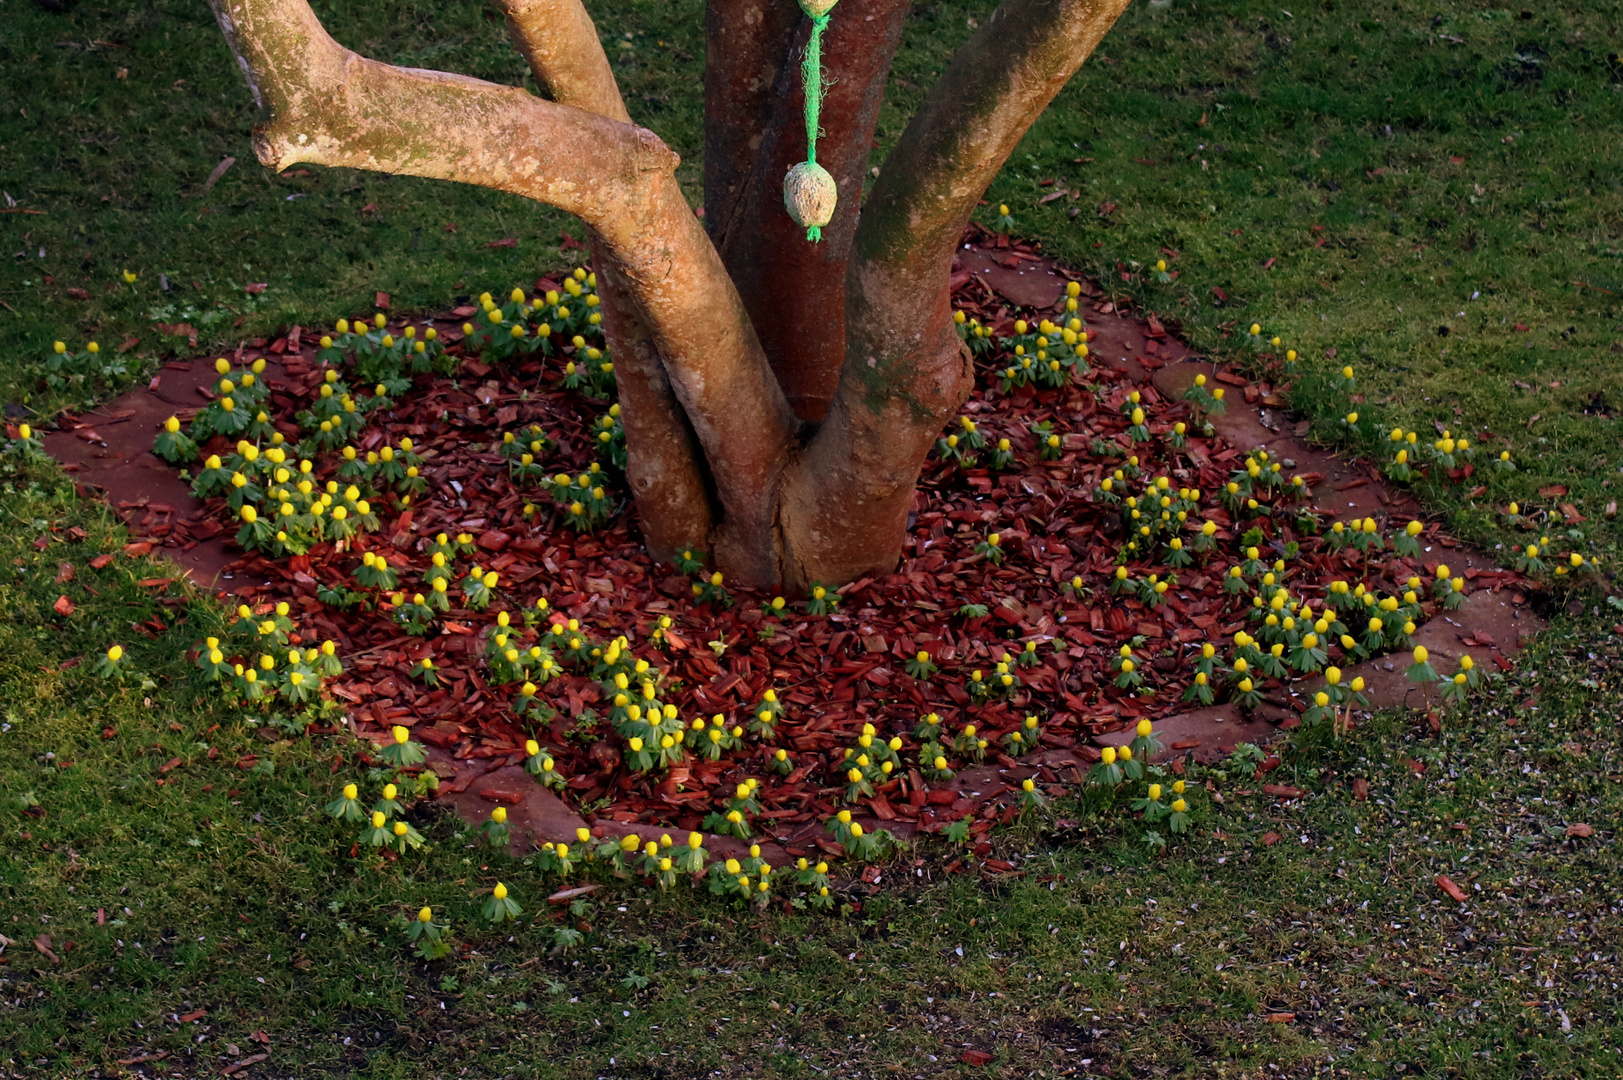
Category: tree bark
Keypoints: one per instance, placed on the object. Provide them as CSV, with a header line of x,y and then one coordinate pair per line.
x,y
746,46
846,505
560,43
794,290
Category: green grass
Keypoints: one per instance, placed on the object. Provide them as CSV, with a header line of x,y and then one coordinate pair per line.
x,y
226,890
242,897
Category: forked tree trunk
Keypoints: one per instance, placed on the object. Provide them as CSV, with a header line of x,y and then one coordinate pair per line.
x,y
780,422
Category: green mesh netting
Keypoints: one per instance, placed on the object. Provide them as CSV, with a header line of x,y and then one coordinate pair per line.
x,y
811,77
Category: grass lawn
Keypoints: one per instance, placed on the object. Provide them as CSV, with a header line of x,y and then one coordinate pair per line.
x,y
211,888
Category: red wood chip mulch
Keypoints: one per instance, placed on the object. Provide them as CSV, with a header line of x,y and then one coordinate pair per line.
x,y
833,673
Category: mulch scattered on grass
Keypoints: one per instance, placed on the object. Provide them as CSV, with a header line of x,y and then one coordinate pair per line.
x,y
833,673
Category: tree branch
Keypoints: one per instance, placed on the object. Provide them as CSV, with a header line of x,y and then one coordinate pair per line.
x,y
560,43
330,106
996,86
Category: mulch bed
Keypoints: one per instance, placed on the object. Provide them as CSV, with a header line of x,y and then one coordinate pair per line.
x,y
833,673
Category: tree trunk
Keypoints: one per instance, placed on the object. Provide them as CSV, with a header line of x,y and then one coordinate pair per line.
x,y
794,290
855,333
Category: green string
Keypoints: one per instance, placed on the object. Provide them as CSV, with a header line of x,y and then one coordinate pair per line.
x,y
811,76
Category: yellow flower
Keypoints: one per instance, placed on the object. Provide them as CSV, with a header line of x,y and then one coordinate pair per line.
x,y
377,819
1420,654
401,735
425,915
1108,755
351,791
499,815
400,828
115,653
1179,806
500,891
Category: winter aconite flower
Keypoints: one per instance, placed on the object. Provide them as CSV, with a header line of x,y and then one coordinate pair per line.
x,y
347,806
500,908
401,752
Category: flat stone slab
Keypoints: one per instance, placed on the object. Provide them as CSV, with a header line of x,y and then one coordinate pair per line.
x,y
1209,735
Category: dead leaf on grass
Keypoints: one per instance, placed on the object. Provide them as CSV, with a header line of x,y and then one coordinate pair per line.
x,y
1448,886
